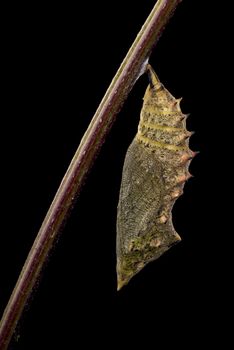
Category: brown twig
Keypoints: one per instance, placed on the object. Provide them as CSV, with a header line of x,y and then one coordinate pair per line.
x,y
132,66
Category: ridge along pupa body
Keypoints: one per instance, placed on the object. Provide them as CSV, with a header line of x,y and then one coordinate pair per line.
x,y
155,170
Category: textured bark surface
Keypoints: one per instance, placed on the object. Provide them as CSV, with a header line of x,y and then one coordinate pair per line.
x,y
154,173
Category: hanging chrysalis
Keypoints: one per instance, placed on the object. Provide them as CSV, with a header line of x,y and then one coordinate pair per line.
x,y
154,173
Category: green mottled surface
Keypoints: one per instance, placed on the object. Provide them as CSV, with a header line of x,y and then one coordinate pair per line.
x,y
142,236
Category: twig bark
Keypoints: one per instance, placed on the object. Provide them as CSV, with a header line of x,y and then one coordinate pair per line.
x,y
132,66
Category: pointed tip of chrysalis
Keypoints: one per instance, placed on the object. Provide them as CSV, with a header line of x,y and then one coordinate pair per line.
x,y
124,276
120,283
128,266
122,280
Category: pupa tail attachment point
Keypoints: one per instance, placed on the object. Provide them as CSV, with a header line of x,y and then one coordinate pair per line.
x,y
153,78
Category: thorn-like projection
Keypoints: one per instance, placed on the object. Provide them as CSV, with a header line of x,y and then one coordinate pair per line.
x,y
179,100
186,157
183,178
195,153
190,133
184,117
120,284
189,176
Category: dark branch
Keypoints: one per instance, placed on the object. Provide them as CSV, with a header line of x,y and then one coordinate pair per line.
x,y
132,67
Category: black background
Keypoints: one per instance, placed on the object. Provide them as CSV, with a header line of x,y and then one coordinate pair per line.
x,y
57,68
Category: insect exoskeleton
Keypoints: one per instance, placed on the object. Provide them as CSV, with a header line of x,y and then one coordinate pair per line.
x,y
155,170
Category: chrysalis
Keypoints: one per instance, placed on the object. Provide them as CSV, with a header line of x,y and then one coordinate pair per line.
x,y
154,173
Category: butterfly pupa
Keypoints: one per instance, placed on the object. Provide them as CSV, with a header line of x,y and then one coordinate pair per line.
x,y
154,172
